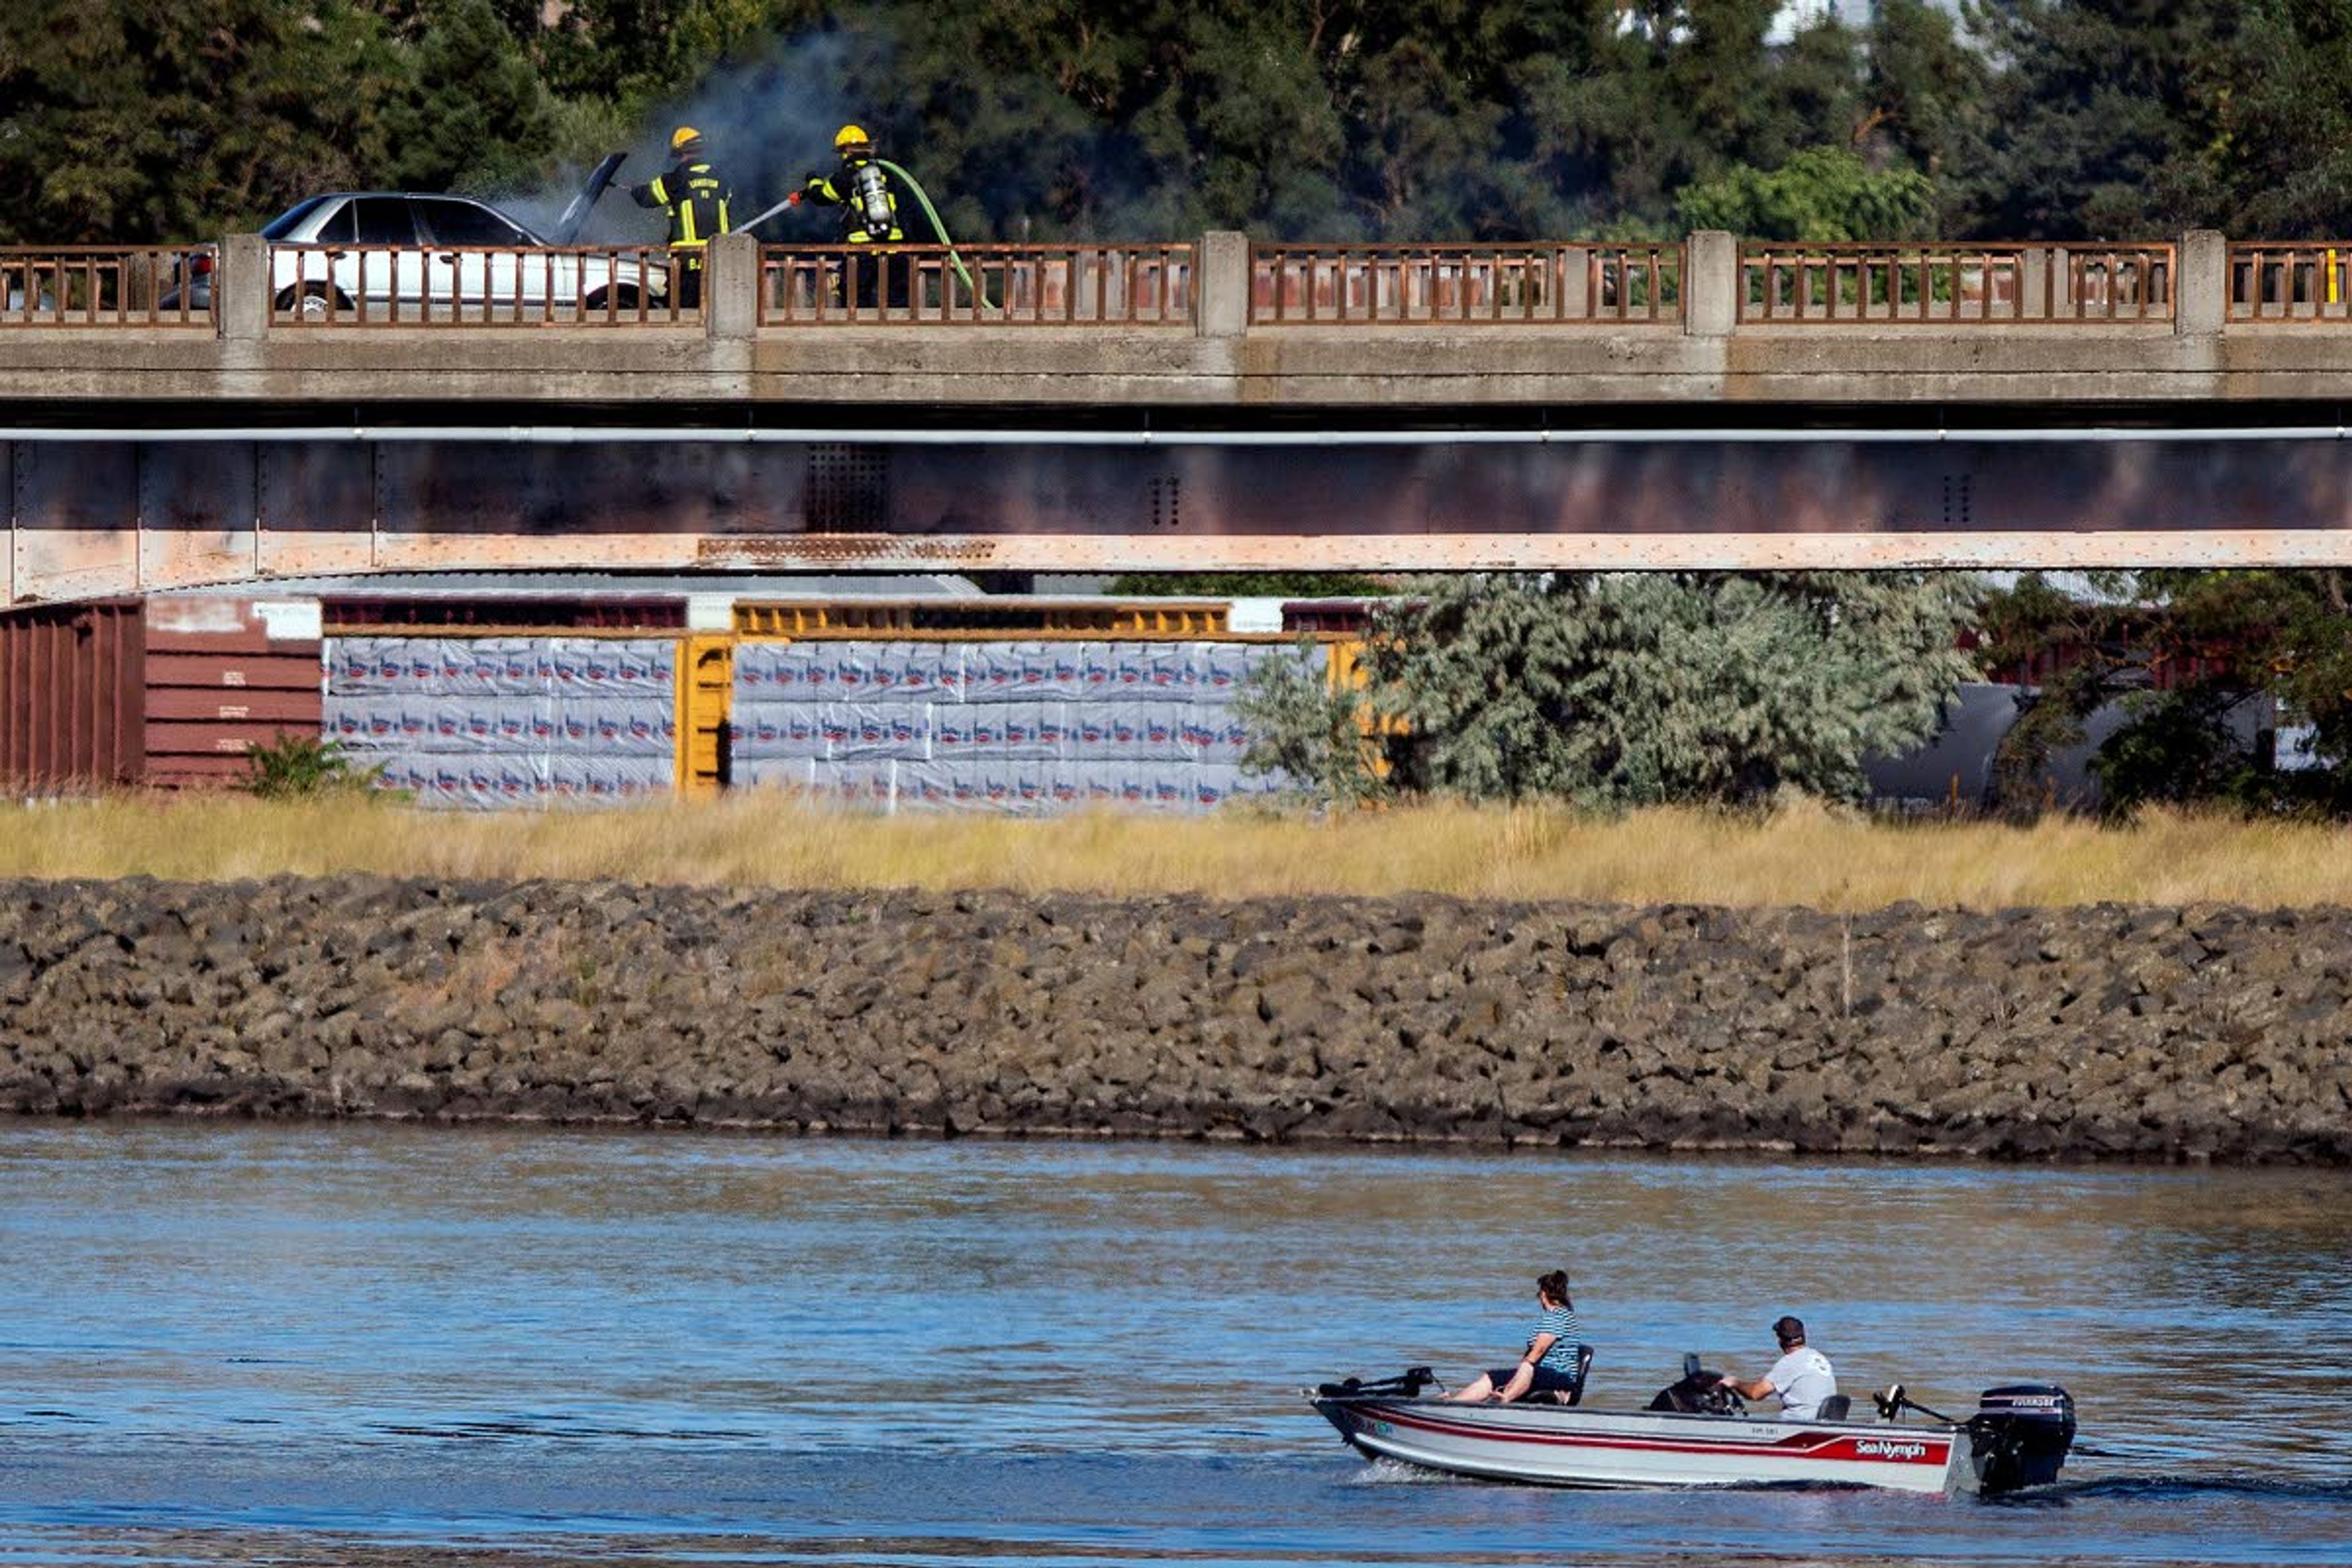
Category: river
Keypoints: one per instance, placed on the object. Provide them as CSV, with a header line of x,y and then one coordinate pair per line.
x,y
370,1344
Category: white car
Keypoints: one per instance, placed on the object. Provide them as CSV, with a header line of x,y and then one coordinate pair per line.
x,y
385,256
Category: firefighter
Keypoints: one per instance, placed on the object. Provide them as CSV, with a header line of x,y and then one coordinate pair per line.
x,y
697,196
869,215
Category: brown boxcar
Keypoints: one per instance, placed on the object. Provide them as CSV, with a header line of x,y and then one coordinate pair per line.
x,y
164,692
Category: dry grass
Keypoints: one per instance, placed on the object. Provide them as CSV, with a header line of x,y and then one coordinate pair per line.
x,y
1806,855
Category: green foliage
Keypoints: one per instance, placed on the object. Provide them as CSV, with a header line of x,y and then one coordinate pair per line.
x,y
134,119
302,767
1623,690
1302,728
1925,92
1250,585
475,112
2098,110
144,120
2186,653
2176,749
1823,195
2273,140
140,120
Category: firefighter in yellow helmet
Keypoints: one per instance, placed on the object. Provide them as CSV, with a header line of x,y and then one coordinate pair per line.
x,y
698,197
868,200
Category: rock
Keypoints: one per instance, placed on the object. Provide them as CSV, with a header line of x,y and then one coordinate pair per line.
x,y
2103,1032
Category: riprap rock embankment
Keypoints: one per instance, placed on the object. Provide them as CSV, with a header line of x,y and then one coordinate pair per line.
x,y
2099,1032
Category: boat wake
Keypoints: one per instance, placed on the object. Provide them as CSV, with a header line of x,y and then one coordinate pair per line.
x,y
1396,1473
2180,1487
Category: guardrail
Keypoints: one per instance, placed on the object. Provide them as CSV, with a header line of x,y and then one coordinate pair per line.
x,y
104,286
1144,285
1483,285
480,286
1949,285
2288,282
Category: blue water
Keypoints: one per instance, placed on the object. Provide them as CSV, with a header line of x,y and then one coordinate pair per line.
x,y
361,1345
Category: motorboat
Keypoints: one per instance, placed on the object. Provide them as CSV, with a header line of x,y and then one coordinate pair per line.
x,y
1698,1433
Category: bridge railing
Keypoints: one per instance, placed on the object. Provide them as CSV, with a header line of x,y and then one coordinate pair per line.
x,y
2291,282
1949,284
104,286
1221,285
1485,285
477,286
1073,285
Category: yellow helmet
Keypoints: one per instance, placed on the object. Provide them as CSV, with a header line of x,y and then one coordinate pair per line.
x,y
684,136
850,136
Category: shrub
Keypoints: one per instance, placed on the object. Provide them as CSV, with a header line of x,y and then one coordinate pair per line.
x,y
299,767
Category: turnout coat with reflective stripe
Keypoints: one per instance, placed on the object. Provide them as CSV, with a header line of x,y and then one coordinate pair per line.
x,y
698,197
841,191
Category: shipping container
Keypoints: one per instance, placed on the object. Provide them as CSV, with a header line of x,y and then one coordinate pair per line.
x,y
72,696
1009,616
510,613
223,676
169,693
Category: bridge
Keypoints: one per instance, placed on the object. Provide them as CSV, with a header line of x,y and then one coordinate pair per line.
x,y
1211,404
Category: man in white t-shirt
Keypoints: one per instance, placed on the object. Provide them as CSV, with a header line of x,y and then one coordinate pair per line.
x,y
1801,1377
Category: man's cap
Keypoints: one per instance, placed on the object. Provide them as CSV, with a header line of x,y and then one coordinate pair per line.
x,y
1789,1330
851,136
684,136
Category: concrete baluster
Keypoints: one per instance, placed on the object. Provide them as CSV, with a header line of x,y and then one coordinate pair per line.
x,y
2200,284
1574,280
1220,285
1711,284
241,288
730,287
2035,303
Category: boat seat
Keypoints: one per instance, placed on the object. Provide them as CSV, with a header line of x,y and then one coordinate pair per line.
x,y
1574,1396
1835,1408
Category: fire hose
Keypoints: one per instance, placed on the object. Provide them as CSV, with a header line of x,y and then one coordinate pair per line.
x,y
929,212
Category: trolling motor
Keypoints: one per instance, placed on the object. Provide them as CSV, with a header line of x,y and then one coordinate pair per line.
x,y
2018,1437
1406,1385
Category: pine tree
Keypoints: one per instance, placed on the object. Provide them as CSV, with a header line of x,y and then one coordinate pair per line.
x,y
2095,109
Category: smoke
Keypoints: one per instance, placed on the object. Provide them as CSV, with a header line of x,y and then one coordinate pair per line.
x,y
766,123
1012,150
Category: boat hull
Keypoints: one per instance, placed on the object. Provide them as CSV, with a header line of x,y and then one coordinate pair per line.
x,y
1570,1446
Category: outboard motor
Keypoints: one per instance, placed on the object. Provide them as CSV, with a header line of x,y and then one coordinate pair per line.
x,y
2019,1435
1699,1393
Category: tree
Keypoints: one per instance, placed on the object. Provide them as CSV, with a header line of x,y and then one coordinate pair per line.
x,y
477,115
1823,195
130,120
2184,653
2096,106
134,121
141,120
2273,130
1923,100
1305,730
1635,689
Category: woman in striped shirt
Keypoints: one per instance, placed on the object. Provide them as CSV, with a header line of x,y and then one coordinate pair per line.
x,y
1549,1364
